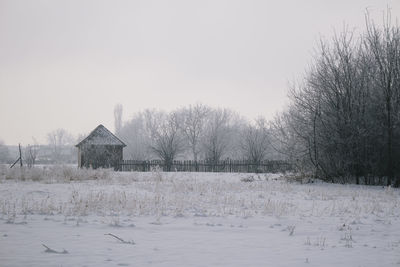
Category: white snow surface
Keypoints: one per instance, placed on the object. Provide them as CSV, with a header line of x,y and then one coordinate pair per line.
x,y
195,219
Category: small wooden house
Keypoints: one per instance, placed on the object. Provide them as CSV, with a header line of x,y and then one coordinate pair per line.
x,y
100,148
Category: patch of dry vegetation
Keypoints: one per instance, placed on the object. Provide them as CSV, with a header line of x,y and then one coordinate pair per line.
x,y
74,192
53,174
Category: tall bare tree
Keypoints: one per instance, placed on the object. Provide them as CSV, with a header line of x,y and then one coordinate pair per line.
x,y
192,123
216,138
118,109
166,140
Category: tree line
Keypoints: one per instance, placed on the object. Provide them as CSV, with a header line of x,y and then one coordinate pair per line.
x,y
343,121
196,132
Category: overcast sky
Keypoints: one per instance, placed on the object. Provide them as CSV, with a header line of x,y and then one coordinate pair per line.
x,y
65,64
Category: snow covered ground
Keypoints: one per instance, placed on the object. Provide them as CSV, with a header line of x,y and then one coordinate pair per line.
x,y
192,219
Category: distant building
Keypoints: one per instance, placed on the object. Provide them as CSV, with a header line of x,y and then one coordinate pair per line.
x,y
100,148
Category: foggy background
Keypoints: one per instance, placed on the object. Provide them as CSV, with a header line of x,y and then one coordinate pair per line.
x,y
65,64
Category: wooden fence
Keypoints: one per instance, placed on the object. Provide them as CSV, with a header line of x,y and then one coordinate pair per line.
x,y
245,166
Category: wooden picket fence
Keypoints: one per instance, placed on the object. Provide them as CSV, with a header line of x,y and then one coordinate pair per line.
x,y
240,166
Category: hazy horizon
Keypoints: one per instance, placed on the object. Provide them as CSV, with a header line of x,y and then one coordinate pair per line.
x,y
66,64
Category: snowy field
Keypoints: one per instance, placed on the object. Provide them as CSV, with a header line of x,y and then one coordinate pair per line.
x,y
102,218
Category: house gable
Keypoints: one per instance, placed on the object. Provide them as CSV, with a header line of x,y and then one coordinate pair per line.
x,y
101,136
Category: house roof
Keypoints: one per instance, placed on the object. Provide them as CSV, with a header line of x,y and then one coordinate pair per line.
x,y
101,136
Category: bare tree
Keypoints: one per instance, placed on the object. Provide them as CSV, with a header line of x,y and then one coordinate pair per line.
x,y
192,123
285,141
57,140
255,141
166,140
328,112
118,118
31,153
216,138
